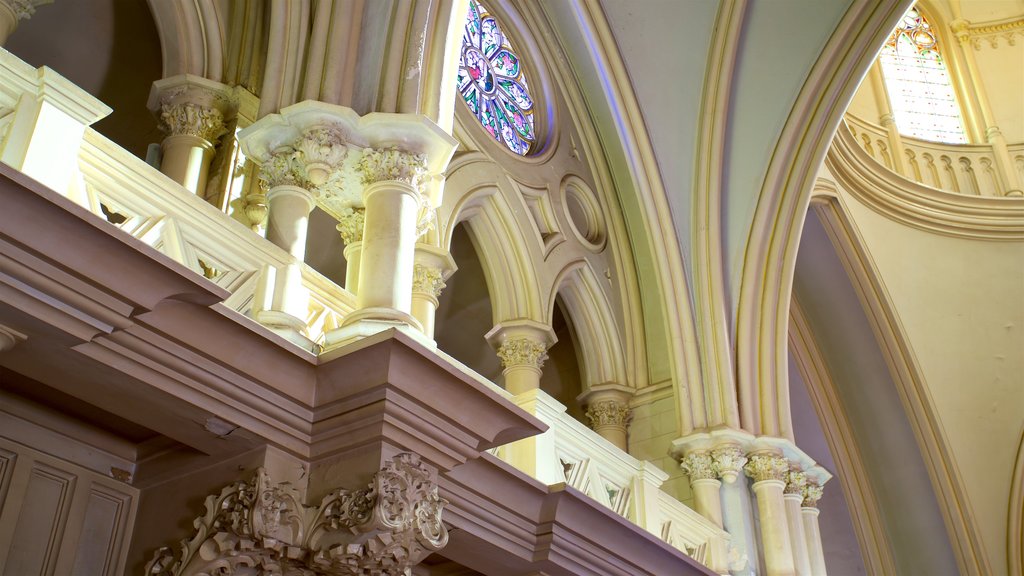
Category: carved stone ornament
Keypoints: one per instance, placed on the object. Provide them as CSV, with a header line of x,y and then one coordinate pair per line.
x,y
729,461
350,225
24,9
699,466
392,164
427,280
796,482
321,151
254,206
282,169
190,119
522,351
763,467
812,493
607,413
260,528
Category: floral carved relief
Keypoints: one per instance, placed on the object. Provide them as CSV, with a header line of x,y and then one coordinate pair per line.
x,y
522,351
699,466
607,413
427,280
761,467
261,527
185,118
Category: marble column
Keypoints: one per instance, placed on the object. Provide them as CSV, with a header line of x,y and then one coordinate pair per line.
x,y
194,113
809,512
431,268
607,408
704,483
13,11
796,482
350,226
769,472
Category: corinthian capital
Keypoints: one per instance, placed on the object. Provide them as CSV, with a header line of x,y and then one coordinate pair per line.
x,y
607,413
427,280
321,151
812,493
522,351
283,168
190,119
796,482
350,225
24,9
729,461
699,466
392,164
761,467
262,527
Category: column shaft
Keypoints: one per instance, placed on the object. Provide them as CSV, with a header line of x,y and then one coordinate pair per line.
x,y
186,160
389,243
813,535
707,499
775,538
798,539
287,222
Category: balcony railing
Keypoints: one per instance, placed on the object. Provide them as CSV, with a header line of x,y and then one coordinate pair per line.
x,y
132,195
969,169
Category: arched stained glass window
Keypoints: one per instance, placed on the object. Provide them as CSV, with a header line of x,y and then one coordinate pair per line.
x,y
493,83
918,83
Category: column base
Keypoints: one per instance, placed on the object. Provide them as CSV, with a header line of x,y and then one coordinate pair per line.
x,y
358,326
287,326
381,314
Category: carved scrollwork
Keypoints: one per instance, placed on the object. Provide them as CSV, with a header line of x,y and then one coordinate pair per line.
x,y
699,466
607,413
186,118
427,280
812,493
260,527
377,165
522,351
350,225
761,467
282,168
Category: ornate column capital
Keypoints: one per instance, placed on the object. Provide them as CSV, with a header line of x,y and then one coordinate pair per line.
x,y
728,461
385,528
350,225
522,351
812,493
24,9
282,168
699,465
392,165
796,481
427,280
321,150
608,413
762,467
189,105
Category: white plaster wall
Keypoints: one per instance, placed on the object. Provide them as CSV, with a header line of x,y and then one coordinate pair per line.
x,y
961,304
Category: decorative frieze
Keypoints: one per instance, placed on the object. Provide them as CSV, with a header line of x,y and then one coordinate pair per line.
x,y
392,164
607,413
699,466
761,467
189,119
812,493
427,280
350,225
261,527
728,461
796,481
522,351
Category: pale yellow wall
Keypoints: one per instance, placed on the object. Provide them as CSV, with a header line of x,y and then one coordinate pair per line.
x,y
1002,72
864,105
961,303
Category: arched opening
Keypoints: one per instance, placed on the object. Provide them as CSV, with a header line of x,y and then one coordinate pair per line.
x,y
464,313
562,378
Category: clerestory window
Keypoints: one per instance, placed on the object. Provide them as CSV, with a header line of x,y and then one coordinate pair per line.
x,y
493,83
920,91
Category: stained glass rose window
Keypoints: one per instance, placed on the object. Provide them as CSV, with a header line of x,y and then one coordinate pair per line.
x,y
493,83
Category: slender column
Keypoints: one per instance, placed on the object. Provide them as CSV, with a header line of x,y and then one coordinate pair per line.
x,y
607,408
432,267
392,199
993,134
888,120
809,511
350,226
769,472
522,346
12,11
794,495
706,486
193,111
737,517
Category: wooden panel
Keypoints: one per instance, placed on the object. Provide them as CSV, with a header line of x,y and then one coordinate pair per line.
x,y
7,462
99,545
40,526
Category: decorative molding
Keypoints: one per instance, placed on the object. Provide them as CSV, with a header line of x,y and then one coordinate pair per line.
x,y
9,338
350,225
261,527
729,461
321,150
427,280
282,168
522,351
812,493
762,467
189,119
608,413
796,482
990,31
699,466
392,164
